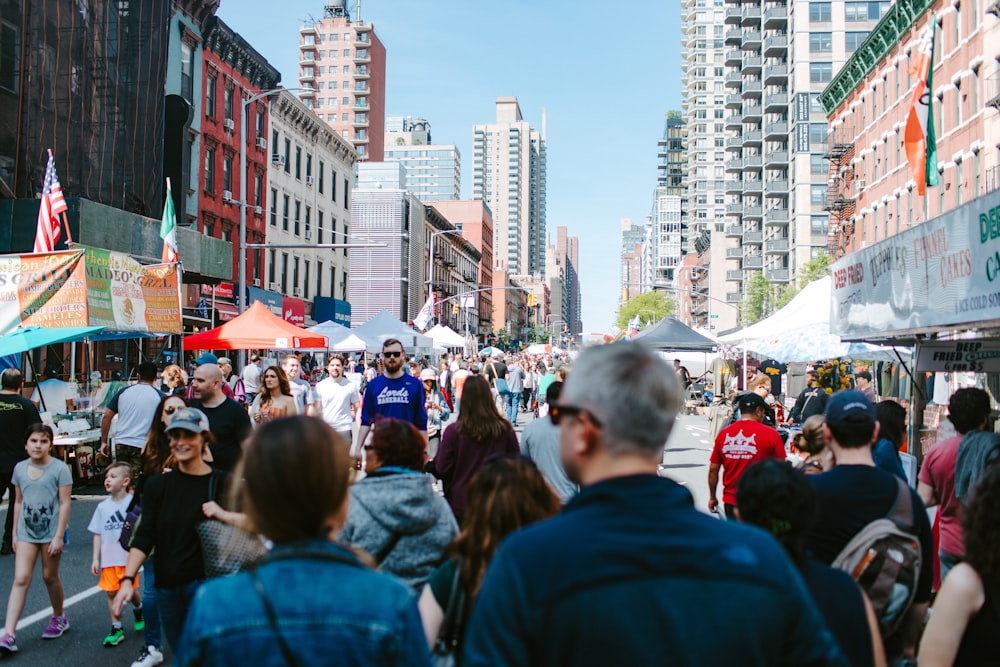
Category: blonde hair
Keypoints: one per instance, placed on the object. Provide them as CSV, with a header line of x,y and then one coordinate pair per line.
x,y
759,380
810,439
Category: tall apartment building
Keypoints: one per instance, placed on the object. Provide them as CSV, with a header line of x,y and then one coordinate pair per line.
x,y
508,173
433,172
779,57
342,66
716,286
633,241
568,254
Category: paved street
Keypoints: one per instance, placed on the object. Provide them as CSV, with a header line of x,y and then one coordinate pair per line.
x,y
685,459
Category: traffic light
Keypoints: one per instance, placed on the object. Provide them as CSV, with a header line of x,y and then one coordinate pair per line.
x,y
454,309
532,300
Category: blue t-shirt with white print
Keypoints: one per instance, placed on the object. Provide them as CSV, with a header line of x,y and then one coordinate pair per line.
x,y
400,398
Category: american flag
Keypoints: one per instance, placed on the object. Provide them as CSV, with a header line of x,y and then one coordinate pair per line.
x,y
52,206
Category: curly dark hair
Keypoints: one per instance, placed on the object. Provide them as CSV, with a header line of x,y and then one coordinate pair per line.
x,y
968,408
775,496
398,443
982,530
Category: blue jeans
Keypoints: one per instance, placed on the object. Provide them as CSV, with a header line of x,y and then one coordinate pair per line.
x,y
510,401
948,561
150,609
174,604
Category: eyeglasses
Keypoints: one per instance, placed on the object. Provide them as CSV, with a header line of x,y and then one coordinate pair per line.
x,y
557,412
170,409
390,355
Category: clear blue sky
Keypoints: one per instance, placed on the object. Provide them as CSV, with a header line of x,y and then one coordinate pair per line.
x,y
606,73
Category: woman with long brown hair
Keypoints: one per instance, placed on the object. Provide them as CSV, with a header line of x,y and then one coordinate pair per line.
x,y
480,432
275,398
507,494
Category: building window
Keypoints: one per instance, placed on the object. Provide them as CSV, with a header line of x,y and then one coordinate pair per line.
x,y
284,273
333,185
820,42
258,189
288,156
274,214
852,40
227,174
819,12
346,186
210,96
865,11
260,124
298,162
817,195
817,134
187,72
274,143
818,164
309,165
271,264
298,218
319,278
210,169
322,169
295,274
9,50
308,221
305,281
820,72
284,213
820,224
319,226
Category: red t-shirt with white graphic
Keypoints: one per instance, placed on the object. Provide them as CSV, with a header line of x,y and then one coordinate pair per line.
x,y
740,445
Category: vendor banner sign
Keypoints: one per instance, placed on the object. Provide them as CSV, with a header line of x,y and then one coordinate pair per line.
x,y
943,273
88,287
43,290
959,356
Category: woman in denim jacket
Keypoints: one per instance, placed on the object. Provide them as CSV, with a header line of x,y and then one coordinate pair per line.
x,y
311,601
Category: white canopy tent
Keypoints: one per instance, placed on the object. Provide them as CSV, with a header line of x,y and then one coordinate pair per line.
x,y
384,326
343,339
809,307
445,337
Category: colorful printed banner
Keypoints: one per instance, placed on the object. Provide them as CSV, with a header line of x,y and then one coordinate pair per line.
x,y
43,290
124,295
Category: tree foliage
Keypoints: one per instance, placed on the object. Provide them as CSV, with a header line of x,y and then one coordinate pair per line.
x,y
649,306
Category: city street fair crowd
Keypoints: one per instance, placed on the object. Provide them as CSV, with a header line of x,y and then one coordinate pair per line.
x,y
407,513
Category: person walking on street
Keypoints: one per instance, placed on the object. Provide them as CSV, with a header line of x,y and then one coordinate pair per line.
x,y
228,420
251,377
515,385
392,394
302,391
738,446
621,576
338,399
16,415
811,401
135,407
540,443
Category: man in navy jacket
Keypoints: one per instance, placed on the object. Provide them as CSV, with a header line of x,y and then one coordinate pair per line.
x,y
630,573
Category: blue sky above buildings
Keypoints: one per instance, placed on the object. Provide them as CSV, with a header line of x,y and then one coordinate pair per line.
x,y
606,73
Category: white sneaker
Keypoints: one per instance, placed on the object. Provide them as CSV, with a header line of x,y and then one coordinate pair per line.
x,y
150,656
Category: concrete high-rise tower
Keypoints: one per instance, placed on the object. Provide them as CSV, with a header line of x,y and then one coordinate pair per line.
x,y
342,64
508,173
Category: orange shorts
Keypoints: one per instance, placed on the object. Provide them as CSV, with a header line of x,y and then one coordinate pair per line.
x,y
111,579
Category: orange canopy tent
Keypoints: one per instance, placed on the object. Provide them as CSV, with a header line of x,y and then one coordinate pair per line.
x,y
256,329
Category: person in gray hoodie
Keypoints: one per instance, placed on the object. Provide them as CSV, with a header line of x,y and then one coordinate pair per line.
x,y
394,513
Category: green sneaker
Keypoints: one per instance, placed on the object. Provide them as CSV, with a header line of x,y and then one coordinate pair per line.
x,y
140,623
115,637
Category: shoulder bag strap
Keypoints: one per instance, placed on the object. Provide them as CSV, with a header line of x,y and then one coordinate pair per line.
x,y
902,509
272,619
384,552
448,636
211,485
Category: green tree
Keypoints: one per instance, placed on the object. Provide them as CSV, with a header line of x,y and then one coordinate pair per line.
x,y
649,306
755,301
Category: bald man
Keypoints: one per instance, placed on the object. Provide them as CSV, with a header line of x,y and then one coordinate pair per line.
x,y
227,419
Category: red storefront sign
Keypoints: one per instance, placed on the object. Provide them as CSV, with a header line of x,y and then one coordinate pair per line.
x,y
222,291
293,310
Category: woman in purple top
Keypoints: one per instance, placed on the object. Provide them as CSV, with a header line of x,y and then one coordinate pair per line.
x,y
480,432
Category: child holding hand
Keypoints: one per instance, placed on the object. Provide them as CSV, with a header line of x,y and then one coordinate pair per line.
x,y
109,556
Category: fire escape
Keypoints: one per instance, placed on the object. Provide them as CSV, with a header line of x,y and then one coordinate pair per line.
x,y
841,189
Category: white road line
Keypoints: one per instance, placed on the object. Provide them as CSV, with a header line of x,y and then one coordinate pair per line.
x,y
46,613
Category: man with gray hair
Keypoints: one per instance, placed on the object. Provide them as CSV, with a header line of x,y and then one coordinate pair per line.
x,y
630,573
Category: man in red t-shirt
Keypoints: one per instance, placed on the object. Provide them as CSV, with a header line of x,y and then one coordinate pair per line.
x,y
737,447
968,410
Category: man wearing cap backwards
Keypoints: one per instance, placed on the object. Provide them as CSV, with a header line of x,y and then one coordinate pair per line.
x,y
854,493
338,399
739,445
229,421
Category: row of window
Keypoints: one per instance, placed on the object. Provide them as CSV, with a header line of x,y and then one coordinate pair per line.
x,y
309,40
293,275
210,175
854,12
281,155
292,220
822,42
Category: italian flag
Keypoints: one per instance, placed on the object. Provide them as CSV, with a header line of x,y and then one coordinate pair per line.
x,y
919,140
168,229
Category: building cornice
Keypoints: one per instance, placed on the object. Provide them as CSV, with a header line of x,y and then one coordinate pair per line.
x,y
237,52
900,17
291,110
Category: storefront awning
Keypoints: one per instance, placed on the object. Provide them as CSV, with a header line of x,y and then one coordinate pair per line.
x,y
226,311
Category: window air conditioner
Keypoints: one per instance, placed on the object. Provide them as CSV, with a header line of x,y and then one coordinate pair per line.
x,y
257,210
278,160
296,293
229,124
309,235
261,142
227,196
274,287
256,282
309,181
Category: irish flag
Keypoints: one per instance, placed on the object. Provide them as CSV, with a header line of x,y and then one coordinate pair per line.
x,y
919,140
168,229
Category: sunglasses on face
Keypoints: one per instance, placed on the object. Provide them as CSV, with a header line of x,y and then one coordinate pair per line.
x,y
390,355
170,409
557,412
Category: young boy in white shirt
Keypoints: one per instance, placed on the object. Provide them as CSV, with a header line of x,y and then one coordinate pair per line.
x,y
109,556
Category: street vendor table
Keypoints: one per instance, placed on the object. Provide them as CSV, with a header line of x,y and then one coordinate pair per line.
x,y
77,451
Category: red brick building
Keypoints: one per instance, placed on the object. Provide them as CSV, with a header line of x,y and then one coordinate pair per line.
x,y
232,72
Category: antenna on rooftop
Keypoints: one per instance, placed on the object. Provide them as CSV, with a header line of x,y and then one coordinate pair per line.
x,y
309,20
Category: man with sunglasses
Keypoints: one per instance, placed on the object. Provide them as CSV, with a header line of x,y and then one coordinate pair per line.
x,y
630,573
394,394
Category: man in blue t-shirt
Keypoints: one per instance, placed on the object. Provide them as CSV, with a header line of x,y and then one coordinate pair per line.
x,y
393,394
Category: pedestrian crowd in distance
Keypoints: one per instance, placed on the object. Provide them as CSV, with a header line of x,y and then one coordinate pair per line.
x,y
561,547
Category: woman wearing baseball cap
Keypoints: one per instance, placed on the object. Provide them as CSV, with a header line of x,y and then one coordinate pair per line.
x,y
173,504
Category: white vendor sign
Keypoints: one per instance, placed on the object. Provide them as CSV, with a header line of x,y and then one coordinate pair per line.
x,y
957,356
942,274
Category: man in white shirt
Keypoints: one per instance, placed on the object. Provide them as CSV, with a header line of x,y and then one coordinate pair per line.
x,y
302,391
251,377
338,398
52,394
135,407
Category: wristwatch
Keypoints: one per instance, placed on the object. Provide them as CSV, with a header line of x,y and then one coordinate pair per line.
x,y
130,578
